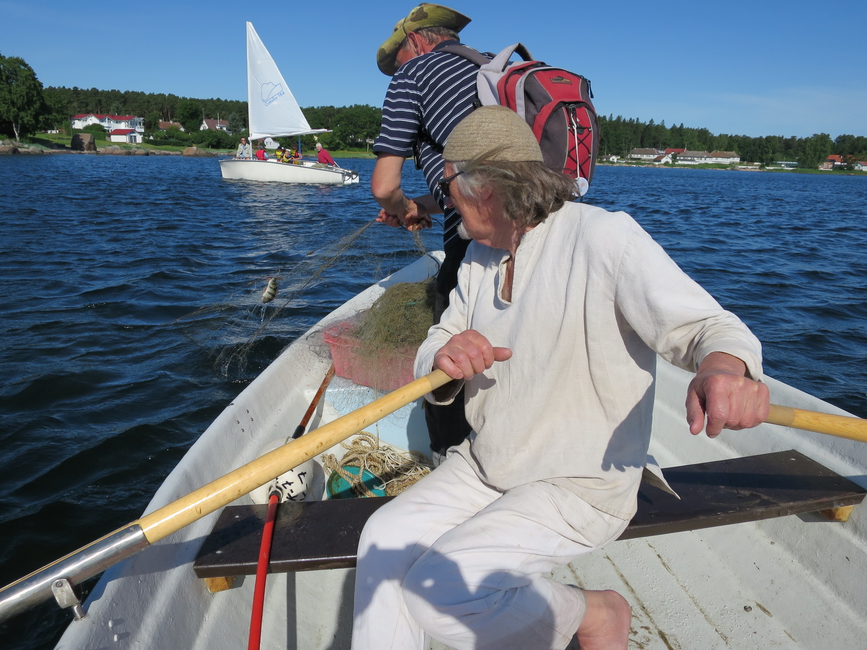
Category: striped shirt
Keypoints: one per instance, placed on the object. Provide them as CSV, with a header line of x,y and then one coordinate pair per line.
x,y
435,91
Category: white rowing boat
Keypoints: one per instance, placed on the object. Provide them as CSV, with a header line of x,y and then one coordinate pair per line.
x,y
791,582
274,112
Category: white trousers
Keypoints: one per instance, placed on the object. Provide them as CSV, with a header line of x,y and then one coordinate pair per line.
x,y
462,562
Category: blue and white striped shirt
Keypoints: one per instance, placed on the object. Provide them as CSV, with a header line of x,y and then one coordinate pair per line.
x,y
435,91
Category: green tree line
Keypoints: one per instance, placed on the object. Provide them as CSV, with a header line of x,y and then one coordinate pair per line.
x,y
26,107
352,126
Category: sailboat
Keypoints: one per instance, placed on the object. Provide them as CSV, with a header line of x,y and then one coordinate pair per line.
x,y
273,112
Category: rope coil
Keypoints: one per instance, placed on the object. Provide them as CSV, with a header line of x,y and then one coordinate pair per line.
x,y
397,470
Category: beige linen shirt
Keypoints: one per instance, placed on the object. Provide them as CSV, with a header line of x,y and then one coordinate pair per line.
x,y
594,299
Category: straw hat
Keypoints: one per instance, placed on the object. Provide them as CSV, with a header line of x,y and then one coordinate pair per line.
x,y
425,15
492,133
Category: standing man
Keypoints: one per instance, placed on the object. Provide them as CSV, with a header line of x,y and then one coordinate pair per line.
x,y
430,92
244,150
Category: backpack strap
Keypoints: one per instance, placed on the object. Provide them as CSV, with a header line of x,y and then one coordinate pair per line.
x,y
491,67
490,70
453,47
474,56
480,58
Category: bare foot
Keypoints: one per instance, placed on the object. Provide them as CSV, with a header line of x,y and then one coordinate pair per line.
x,y
606,623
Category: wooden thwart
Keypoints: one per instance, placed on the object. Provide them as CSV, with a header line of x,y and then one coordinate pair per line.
x,y
325,534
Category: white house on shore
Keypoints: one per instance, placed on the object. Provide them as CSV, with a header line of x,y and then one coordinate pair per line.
x,y
688,157
724,158
109,122
705,158
644,154
214,125
129,136
685,157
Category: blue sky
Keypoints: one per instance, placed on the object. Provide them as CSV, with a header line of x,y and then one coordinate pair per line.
x,y
760,67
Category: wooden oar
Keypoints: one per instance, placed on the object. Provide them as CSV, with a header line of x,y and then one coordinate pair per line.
x,y
832,425
129,540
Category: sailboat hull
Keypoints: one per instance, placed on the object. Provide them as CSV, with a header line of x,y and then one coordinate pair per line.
x,y
274,171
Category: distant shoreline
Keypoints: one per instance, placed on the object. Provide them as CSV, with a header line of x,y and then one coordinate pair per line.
x,y
17,148
795,170
115,150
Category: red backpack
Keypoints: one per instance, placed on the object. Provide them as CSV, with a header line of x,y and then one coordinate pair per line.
x,y
555,103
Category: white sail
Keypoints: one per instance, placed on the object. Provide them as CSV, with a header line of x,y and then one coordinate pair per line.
x,y
273,110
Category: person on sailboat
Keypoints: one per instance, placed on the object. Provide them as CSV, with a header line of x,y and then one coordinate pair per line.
x,y
554,328
260,152
323,156
244,150
430,92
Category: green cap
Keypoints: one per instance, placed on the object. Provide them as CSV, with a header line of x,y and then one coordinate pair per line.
x,y
425,15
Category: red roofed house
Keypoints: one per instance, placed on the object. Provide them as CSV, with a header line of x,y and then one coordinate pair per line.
x,y
214,125
124,135
109,122
833,161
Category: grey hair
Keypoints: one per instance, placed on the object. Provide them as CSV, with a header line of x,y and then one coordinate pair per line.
x,y
436,33
528,191
433,35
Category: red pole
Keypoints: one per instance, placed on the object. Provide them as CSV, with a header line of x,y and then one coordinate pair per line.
x,y
262,573
268,531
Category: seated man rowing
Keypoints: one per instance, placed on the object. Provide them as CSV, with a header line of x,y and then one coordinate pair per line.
x,y
559,313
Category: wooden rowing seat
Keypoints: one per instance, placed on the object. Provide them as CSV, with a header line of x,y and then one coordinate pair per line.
x,y
324,534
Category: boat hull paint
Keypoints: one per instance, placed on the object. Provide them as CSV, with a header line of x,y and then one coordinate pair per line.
x,y
272,171
793,582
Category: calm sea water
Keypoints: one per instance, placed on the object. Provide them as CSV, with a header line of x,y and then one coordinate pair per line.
x,y
123,279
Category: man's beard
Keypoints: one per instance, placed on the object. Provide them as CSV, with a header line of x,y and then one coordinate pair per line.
x,y
462,231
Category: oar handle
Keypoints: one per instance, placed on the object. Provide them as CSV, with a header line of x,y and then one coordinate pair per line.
x,y
832,425
233,485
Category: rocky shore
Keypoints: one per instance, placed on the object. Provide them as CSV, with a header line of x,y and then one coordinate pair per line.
x,y
9,147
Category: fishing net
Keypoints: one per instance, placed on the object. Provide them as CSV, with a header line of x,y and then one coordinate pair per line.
x,y
376,348
372,351
245,330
